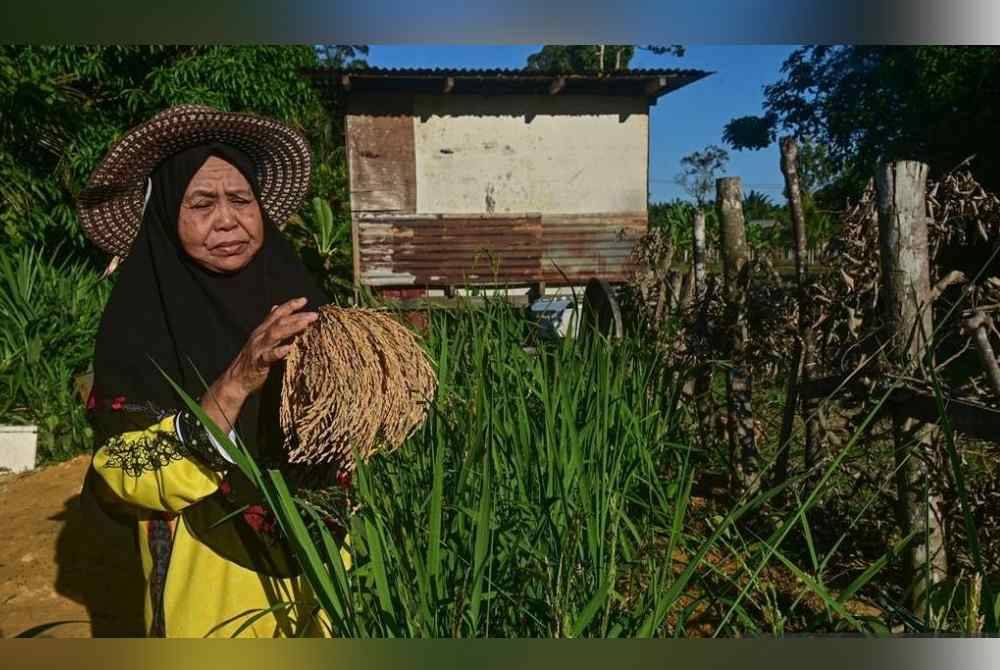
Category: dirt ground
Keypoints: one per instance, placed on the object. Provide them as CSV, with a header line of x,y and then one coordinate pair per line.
x,y
61,562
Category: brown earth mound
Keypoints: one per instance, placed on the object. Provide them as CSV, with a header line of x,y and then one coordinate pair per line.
x,y
62,560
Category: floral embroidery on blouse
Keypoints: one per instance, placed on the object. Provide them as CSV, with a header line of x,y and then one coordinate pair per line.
x,y
136,452
145,452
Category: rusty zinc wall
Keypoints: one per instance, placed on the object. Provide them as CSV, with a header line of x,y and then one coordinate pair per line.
x,y
449,190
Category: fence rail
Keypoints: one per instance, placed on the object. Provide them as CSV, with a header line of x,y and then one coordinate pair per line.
x,y
776,256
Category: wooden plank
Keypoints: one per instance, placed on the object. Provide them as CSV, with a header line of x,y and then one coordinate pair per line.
x,y
382,162
456,301
974,420
655,86
977,421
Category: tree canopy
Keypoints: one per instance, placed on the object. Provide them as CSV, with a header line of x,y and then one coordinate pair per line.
x,y
591,58
868,103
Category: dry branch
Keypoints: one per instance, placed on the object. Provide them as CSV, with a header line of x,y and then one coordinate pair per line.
x,y
978,327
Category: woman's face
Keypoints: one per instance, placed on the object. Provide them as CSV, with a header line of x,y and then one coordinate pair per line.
x,y
220,224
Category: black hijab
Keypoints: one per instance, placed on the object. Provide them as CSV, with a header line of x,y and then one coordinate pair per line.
x,y
167,310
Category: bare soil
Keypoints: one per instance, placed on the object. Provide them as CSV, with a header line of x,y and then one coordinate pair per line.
x,y
63,560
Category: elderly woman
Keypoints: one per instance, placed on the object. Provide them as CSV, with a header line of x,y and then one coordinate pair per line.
x,y
209,294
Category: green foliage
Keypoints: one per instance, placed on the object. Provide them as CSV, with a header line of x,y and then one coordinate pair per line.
x,y
50,310
62,106
323,240
581,58
815,167
865,103
537,500
326,238
591,58
676,220
750,132
757,205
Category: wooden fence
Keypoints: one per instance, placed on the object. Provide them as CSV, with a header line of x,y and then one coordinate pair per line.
x,y
778,257
906,299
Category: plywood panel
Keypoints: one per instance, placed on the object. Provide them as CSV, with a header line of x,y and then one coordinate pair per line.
x,y
548,154
382,165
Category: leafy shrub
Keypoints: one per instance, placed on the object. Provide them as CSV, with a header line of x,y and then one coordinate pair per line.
x,y
50,309
676,219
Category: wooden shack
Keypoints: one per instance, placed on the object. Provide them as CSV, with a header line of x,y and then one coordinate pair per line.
x,y
496,177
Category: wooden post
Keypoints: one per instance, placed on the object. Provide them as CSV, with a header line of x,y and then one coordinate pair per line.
x,y
662,267
902,221
742,447
804,358
698,255
687,289
698,388
676,284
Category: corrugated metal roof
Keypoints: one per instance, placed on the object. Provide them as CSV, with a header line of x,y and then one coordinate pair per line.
x,y
648,83
500,72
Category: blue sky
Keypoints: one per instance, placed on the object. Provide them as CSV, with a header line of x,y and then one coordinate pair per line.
x,y
681,122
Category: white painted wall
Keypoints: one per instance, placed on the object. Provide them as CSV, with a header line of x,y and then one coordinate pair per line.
x,y
576,155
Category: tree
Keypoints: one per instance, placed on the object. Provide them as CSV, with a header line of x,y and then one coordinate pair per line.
x,y
591,58
864,104
341,55
698,171
751,132
757,205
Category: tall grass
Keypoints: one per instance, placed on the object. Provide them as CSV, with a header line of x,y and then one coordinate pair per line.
x,y
549,494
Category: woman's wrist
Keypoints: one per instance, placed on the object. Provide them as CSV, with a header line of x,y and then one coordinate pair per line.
x,y
224,400
231,390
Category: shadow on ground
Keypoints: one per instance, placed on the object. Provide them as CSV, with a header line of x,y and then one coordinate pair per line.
x,y
98,564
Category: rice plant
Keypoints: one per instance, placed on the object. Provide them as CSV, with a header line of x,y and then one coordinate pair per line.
x,y
549,494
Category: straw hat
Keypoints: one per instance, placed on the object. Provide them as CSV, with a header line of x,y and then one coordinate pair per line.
x,y
110,207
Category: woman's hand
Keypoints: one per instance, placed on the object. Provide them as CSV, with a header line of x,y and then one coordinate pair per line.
x,y
267,344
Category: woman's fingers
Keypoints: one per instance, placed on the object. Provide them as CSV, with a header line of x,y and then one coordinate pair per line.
x,y
284,309
289,326
275,354
267,344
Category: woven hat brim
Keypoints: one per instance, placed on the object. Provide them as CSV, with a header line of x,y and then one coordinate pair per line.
x,y
110,207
